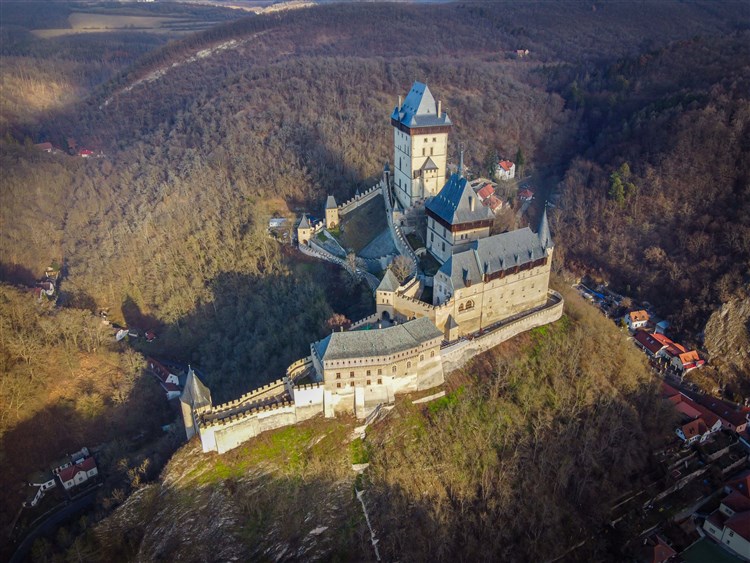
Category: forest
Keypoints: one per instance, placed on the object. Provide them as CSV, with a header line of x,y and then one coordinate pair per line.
x,y
650,175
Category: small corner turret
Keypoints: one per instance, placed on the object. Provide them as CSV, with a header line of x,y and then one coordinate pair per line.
x,y
332,213
545,238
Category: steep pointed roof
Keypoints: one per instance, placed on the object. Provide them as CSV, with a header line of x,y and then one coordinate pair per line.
x,y
304,223
429,164
544,235
419,109
389,282
195,393
331,202
453,204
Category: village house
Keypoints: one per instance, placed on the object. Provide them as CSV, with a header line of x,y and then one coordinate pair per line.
x,y
694,431
169,381
43,481
78,473
505,170
652,344
636,319
729,525
698,422
656,550
525,195
485,190
46,147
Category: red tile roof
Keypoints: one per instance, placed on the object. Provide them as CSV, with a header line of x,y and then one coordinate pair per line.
x,y
47,146
660,551
736,501
740,524
505,165
694,428
638,316
741,483
526,194
486,191
88,464
492,202
648,341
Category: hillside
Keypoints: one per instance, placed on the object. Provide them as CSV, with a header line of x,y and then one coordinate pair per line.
x,y
441,475
207,136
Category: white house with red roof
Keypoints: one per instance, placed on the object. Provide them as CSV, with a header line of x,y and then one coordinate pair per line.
x,y
636,319
729,525
505,170
169,381
78,473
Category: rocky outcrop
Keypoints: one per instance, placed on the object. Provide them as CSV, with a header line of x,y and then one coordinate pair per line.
x,y
728,337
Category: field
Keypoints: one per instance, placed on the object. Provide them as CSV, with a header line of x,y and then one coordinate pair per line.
x,y
88,22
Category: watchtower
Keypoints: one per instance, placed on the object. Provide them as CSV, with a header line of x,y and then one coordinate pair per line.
x,y
420,145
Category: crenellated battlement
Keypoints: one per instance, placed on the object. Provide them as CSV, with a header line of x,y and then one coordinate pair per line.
x,y
245,414
358,200
308,386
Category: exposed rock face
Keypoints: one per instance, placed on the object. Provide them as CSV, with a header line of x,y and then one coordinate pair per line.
x,y
728,337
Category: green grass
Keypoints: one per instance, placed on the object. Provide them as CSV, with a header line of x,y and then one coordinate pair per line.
x,y
359,451
448,401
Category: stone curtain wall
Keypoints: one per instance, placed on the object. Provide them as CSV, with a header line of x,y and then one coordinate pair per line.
x,y
456,355
358,201
398,238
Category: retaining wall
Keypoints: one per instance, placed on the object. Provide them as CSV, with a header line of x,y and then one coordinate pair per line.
x,y
456,355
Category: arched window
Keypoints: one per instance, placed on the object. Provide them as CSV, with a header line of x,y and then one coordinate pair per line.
x,y
460,307
469,304
408,365
432,354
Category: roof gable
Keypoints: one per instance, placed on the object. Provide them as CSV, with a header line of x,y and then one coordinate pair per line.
x,y
389,282
453,204
377,342
419,109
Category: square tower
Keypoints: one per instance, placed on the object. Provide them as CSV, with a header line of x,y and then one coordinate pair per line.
x,y
420,146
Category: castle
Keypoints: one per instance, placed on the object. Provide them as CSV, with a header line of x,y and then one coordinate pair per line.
x,y
488,289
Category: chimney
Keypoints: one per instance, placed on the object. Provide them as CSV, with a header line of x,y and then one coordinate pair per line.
x,y
471,203
440,108
399,103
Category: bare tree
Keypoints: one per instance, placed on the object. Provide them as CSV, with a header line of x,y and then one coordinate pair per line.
x,y
402,267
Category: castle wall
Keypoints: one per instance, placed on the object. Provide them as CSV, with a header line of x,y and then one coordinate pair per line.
x,y
357,201
229,436
458,354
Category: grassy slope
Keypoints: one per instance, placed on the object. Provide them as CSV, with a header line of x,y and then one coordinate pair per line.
x,y
539,434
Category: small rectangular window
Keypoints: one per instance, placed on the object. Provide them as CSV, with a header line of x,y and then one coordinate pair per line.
x,y
351,374
338,375
368,382
368,373
380,381
380,371
338,385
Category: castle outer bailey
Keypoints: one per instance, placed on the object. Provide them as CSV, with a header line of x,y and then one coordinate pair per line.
x,y
488,289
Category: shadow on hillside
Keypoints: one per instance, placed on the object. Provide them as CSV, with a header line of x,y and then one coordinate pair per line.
x,y
17,275
256,326
70,424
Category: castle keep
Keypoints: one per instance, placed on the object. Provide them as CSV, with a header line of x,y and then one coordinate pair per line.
x,y
488,289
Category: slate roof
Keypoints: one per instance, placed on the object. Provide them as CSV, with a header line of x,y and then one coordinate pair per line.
x,y
195,393
419,109
304,223
331,202
429,164
379,342
452,203
492,254
543,232
389,282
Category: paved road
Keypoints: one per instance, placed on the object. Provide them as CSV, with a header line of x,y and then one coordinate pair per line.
x,y
51,523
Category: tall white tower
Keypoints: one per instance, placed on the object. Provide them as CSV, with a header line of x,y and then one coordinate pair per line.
x,y
420,145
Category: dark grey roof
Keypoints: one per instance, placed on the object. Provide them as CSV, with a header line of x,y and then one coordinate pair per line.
x,y
304,223
452,203
429,164
419,109
331,202
378,342
195,392
389,282
545,238
492,254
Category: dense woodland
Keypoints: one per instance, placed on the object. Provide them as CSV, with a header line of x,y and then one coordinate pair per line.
x,y
648,161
